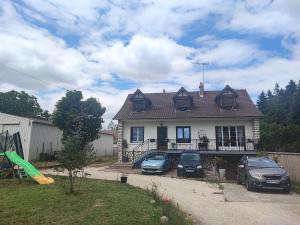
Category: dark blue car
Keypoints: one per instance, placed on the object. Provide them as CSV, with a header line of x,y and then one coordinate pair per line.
x,y
190,164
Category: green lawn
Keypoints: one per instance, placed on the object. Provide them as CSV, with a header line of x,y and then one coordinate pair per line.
x,y
99,202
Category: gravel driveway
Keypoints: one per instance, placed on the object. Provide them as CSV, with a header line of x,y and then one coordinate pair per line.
x,y
206,204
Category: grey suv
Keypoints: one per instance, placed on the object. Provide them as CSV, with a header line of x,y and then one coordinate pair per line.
x,y
262,173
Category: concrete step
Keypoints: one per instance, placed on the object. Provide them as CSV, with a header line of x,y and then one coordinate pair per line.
x,y
120,165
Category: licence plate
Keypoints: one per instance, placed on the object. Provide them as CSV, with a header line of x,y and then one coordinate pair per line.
x,y
190,171
273,181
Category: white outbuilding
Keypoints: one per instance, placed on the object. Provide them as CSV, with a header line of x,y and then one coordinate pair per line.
x,y
104,145
37,136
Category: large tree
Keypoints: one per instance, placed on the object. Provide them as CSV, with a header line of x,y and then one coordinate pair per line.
x,y
21,104
81,122
280,127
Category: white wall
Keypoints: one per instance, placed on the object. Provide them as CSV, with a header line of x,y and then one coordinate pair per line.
x,y
32,134
17,124
103,146
44,139
206,126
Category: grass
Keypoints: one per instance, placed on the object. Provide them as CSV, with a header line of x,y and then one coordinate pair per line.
x,y
98,202
296,187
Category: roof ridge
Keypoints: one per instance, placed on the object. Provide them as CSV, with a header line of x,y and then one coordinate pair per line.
x,y
174,92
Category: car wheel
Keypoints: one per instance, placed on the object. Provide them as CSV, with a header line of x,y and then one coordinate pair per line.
x,y
248,185
238,179
287,190
201,174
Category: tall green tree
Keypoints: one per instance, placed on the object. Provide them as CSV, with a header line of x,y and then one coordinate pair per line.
x,y
21,104
262,102
280,126
81,122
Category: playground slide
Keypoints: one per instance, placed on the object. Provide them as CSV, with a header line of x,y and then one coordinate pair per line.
x,y
29,169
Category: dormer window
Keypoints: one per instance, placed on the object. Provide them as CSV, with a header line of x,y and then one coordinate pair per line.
x,y
227,98
139,101
183,100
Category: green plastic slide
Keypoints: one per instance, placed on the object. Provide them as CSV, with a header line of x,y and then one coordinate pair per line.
x,y
29,169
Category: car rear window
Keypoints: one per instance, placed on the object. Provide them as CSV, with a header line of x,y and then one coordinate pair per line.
x,y
190,156
262,163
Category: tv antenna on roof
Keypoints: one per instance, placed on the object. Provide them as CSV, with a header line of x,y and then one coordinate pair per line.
x,y
203,66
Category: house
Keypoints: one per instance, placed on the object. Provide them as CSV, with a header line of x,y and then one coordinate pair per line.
x,y
224,121
37,136
104,145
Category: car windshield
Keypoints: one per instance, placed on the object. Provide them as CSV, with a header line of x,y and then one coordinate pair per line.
x,y
190,157
157,157
262,163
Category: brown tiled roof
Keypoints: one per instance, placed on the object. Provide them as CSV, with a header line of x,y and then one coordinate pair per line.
x,y
203,107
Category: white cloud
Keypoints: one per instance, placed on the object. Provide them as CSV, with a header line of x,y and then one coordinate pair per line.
x,y
146,17
228,52
150,53
144,58
34,51
266,17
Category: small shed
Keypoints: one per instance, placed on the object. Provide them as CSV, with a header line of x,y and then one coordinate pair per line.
x,y
37,136
104,145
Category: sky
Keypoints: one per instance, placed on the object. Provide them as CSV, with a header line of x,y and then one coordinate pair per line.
x,y
109,48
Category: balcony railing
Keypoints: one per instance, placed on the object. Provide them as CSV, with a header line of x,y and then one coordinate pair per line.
x,y
242,144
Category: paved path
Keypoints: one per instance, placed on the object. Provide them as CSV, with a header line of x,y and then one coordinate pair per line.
x,y
206,204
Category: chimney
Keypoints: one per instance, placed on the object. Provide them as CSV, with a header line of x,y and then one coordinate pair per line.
x,y
201,90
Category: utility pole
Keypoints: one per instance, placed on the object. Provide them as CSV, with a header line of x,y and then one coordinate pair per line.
x,y
203,66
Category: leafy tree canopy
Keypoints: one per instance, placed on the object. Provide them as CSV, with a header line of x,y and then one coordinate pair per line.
x,y
79,117
21,104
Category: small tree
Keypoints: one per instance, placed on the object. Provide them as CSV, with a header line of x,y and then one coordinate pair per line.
x,y
81,122
112,126
73,157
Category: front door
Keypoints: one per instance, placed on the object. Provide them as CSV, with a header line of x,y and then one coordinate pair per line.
x,y
162,135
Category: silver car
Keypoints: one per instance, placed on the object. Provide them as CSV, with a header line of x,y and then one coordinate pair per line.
x,y
158,163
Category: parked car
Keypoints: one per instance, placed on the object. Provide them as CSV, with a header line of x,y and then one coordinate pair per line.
x,y
157,163
262,173
190,164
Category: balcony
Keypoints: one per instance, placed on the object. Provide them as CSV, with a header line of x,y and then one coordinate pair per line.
x,y
243,144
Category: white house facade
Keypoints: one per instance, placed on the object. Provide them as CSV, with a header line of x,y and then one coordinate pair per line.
x,y
225,120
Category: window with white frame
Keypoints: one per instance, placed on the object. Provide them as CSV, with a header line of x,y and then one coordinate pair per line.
x,y
137,134
230,135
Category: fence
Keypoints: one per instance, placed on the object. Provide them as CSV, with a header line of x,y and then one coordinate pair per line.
x,y
290,161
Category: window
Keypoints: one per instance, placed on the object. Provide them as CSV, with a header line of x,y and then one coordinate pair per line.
x,y
227,99
139,101
183,134
137,134
183,100
139,105
230,136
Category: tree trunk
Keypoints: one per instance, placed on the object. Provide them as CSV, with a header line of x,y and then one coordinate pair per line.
x,y
71,188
